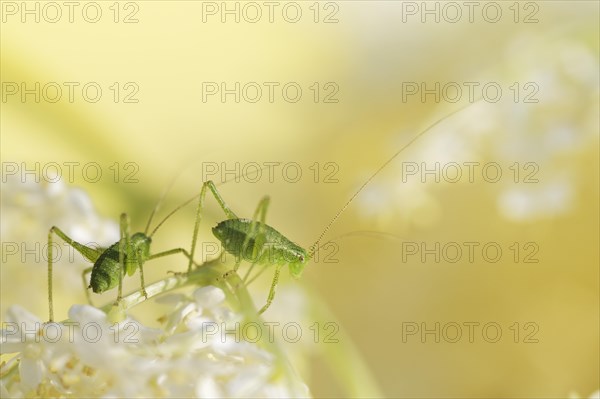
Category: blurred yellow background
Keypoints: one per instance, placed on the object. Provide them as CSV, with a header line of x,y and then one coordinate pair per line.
x,y
363,55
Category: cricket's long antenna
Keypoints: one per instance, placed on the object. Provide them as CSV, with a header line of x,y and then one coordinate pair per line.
x,y
183,168
158,203
315,246
173,212
372,233
182,205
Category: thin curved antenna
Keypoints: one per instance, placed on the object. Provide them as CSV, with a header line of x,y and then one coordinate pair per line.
x,y
172,212
314,247
159,202
372,233
183,168
186,202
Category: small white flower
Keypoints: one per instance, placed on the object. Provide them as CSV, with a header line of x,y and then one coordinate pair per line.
x,y
29,209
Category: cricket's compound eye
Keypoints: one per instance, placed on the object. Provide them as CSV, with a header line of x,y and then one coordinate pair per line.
x,y
301,258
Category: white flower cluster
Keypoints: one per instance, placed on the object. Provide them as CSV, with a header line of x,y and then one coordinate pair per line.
x,y
188,357
30,208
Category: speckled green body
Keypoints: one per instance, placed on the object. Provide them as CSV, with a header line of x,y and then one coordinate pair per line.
x,y
270,247
105,273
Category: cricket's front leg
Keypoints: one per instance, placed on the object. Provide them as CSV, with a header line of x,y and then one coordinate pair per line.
x,y
272,291
141,266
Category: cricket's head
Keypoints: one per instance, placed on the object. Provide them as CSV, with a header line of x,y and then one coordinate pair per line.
x,y
298,259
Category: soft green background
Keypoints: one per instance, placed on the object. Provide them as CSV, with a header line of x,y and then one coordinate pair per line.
x,y
368,53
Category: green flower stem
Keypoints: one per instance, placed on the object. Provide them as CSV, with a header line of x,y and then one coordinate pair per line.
x,y
209,273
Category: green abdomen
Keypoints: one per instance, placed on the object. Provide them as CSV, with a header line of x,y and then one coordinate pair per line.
x,y
276,249
105,273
